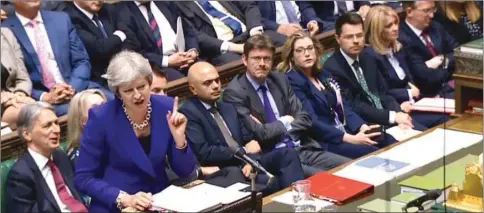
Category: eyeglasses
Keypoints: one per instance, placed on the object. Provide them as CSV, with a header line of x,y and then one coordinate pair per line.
x,y
258,59
303,50
351,36
428,10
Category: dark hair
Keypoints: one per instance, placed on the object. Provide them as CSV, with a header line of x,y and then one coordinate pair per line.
x,y
407,4
259,41
351,18
157,70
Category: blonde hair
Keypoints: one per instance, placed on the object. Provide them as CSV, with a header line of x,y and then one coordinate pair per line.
x,y
77,107
374,26
453,12
287,54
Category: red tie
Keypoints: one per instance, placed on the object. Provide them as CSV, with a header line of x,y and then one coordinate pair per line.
x,y
429,45
71,203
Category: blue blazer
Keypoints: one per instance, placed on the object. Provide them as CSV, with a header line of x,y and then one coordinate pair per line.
x,y
397,88
268,12
205,137
353,92
111,158
140,38
69,51
428,80
319,108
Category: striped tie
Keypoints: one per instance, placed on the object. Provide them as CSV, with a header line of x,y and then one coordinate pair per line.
x,y
154,26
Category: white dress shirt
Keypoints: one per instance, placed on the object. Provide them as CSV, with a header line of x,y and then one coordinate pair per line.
x,y
223,31
282,119
118,33
399,71
281,17
350,6
51,63
350,61
168,35
41,162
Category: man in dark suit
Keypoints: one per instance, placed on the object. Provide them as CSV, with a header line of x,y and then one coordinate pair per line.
x,y
223,26
288,17
42,179
152,30
430,49
270,110
360,80
96,25
214,132
54,54
329,11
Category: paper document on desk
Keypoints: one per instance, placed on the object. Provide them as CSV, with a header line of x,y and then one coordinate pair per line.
x,y
180,36
287,198
195,199
435,105
402,134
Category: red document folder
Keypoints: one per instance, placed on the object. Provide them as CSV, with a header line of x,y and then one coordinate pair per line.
x,y
337,189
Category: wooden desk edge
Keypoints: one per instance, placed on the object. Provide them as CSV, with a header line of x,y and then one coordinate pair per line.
x,y
447,125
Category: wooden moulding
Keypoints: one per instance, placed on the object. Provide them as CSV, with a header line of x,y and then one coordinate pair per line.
x,y
12,145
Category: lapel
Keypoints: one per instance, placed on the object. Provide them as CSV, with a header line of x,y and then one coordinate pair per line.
x,y
232,9
365,69
435,38
106,20
198,104
158,138
192,6
41,181
141,21
416,39
93,28
254,100
24,40
167,13
392,73
67,180
276,94
403,64
347,70
128,141
51,27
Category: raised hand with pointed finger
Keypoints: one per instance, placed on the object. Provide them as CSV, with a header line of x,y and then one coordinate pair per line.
x,y
177,123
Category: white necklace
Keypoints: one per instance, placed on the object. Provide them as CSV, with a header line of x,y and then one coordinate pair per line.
x,y
144,124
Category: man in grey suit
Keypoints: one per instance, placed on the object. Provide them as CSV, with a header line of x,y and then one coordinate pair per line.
x,y
269,108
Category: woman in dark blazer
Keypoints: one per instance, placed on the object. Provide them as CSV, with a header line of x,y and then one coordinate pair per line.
x,y
342,131
462,19
381,26
127,141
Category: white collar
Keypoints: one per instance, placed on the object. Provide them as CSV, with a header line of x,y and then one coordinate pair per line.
x,y
415,30
139,3
25,21
87,13
207,106
39,159
349,59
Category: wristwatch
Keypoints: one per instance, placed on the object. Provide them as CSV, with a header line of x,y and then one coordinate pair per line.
x,y
199,172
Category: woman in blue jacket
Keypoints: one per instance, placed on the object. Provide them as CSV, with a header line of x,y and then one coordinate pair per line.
x,y
334,123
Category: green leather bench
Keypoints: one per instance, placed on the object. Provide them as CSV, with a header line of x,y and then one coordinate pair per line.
x,y
7,165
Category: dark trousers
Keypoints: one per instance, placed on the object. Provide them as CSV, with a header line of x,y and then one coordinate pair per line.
x,y
315,160
428,120
354,151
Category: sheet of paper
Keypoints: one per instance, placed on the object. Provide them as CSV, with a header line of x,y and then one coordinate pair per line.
x,y
237,186
436,102
287,198
176,198
224,195
180,36
402,134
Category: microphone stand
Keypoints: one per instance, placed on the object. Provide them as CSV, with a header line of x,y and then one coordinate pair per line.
x,y
253,195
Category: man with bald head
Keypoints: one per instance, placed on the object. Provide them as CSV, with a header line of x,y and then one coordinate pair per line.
x,y
213,128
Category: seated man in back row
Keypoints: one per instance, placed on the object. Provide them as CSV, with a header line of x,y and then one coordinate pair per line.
x,y
54,55
215,133
271,111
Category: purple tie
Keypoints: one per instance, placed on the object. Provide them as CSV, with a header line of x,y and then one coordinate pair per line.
x,y
270,116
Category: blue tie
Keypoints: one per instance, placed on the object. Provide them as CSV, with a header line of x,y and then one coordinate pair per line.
x,y
229,21
290,12
270,116
95,18
154,27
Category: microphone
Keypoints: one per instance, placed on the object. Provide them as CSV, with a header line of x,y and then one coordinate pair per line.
x,y
240,154
430,195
